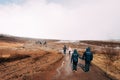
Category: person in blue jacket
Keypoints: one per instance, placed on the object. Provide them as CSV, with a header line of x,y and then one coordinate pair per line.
x,y
88,57
74,59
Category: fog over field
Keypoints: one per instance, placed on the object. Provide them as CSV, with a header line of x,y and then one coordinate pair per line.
x,y
61,19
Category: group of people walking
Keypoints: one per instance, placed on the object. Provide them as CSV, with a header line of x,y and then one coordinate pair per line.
x,y
87,56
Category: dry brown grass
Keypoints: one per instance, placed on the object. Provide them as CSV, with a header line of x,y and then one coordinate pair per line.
x,y
9,45
107,56
112,70
16,62
103,43
101,58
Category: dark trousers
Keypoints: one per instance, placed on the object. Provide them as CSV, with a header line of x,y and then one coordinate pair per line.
x,y
75,66
69,52
87,65
64,51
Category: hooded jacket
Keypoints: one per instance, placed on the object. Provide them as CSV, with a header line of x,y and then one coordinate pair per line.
x,y
75,56
88,56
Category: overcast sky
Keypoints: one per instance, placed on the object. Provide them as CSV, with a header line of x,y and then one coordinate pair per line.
x,y
61,19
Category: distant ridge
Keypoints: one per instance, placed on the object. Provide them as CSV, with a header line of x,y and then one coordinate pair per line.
x,y
9,38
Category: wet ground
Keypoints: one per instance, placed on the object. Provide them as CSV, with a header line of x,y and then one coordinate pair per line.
x,y
64,72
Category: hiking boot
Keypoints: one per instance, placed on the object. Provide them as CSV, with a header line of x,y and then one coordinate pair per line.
x,y
86,70
73,70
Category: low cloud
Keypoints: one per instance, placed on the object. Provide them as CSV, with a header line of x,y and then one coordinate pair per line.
x,y
61,19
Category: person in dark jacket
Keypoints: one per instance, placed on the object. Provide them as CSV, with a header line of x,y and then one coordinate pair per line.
x,y
74,59
64,49
88,57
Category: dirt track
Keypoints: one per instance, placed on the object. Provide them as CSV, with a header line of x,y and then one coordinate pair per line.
x,y
64,72
67,74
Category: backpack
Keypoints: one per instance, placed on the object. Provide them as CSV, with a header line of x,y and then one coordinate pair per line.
x,y
88,56
75,57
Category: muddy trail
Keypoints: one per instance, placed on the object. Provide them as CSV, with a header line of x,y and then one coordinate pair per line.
x,y
63,71
22,69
